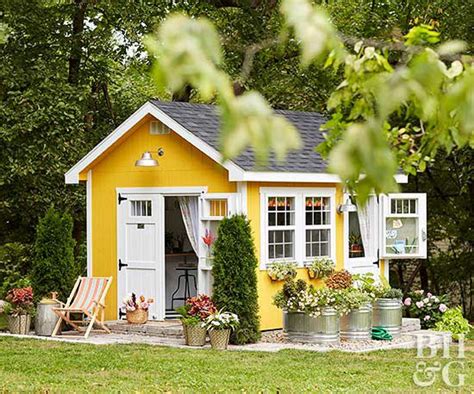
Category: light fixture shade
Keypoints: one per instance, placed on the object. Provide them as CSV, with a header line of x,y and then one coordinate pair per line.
x,y
348,206
146,161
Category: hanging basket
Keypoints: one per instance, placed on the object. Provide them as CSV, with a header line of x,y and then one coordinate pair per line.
x,y
138,316
20,324
219,338
196,335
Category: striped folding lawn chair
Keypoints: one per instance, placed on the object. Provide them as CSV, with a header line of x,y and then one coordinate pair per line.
x,y
87,300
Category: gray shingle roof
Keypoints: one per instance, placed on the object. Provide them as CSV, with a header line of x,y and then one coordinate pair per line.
x,y
203,121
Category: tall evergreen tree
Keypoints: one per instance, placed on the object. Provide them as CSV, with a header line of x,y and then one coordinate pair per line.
x,y
235,276
54,268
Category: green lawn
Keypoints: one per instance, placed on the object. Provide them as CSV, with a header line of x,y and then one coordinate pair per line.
x,y
34,365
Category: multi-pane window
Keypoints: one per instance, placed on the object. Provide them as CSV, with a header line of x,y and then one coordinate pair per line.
x,y
401,232
281,227
140,208
317,226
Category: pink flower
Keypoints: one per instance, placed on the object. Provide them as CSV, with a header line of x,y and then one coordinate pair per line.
x,y
429,295
419,304
407,301
427,317
443,308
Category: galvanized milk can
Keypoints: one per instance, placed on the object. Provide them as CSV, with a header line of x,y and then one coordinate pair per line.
x,y
46,319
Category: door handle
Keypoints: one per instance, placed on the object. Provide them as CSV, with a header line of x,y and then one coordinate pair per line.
x,y
423,235
122,265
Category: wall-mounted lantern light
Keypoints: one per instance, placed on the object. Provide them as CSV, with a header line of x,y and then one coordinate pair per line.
x,y
348,206
147,159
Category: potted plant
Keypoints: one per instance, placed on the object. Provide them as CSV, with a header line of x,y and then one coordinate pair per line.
x,y
193,316
219,326
356,318
282,270
19,308
136,309
355,244
309,315
387,312
320,268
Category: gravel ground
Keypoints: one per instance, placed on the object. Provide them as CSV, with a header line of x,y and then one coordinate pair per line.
x,y
278,336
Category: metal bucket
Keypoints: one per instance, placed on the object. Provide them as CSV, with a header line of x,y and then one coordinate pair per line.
x,y
46,319
323,329
357,324
388,314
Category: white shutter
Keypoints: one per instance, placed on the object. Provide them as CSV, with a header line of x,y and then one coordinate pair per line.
x,y
403,226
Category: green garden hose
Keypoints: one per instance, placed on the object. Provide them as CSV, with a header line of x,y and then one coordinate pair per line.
x,y
381,334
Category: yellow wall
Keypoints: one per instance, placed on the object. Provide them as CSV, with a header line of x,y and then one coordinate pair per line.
x,y
182,165
271,316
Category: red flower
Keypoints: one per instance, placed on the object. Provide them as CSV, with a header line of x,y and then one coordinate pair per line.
x,y
208,239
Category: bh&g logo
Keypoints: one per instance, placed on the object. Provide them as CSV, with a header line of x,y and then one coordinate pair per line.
x,y
449,371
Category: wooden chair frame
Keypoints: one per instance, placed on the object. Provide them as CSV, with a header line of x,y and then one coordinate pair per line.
x,y
95,317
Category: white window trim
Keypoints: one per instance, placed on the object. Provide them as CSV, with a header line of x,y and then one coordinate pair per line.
x,y
299,193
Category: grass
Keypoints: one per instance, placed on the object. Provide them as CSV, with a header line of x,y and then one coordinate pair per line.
x,y
34,365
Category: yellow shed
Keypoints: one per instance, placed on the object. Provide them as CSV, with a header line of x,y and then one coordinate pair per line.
x,y
157,184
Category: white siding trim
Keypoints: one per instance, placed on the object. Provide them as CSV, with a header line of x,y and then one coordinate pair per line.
x,y
242,191
89,222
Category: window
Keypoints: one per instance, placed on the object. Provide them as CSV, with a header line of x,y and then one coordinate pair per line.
x,y
356,246
140,208
218,207
404,222
281,225
298,224
317,226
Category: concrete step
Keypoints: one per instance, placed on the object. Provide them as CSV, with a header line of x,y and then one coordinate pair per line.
x,y
410,324
164,329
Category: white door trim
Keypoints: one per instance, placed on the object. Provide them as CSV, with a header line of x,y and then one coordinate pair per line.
x,y
171,191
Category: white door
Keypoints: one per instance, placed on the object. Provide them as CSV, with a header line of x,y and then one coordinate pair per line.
x,y
141,257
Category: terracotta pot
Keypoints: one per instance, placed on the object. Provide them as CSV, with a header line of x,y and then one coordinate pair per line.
x,y
196,335
19,324
219,338
138,316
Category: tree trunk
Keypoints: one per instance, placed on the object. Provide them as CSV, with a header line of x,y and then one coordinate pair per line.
x,y
76,45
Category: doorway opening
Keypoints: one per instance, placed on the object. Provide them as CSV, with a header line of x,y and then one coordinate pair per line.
x,y
181,261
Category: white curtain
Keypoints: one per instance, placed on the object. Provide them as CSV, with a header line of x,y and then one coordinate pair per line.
x,y
363,213
190,211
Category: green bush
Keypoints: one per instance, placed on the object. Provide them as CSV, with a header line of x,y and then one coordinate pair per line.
x,y
54,267
454,322
15,263
235,277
